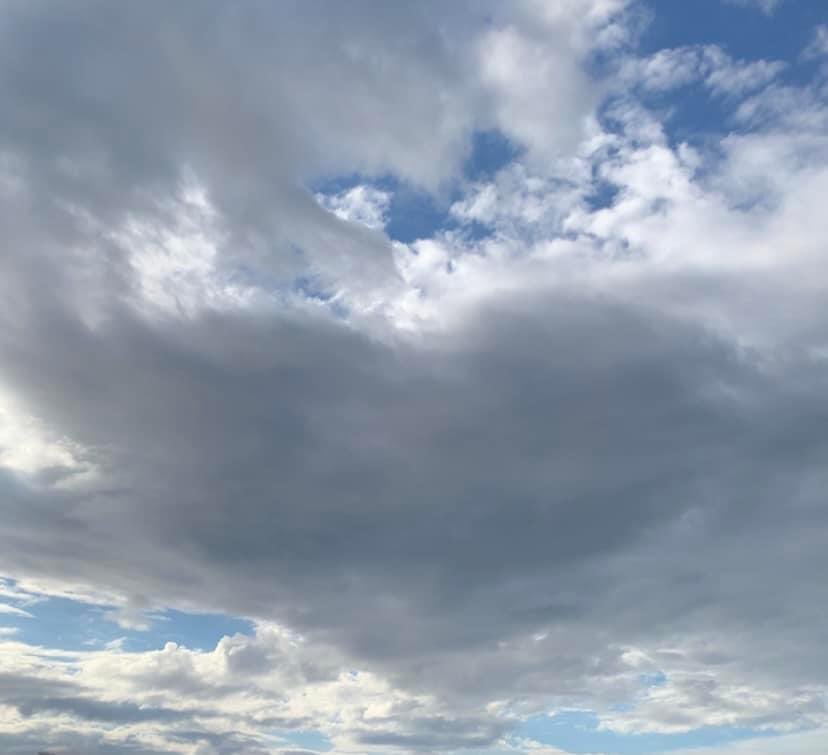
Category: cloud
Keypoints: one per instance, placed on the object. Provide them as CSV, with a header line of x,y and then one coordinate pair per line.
x,y
766,6
14,611
133,615
360,204
247,693
807,743
818,47
708,64
573,438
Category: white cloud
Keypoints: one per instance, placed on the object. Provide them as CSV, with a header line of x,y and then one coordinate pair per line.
x,y
360,204
254,687
573,438
766,6
27,446
5,608
818,47
707,64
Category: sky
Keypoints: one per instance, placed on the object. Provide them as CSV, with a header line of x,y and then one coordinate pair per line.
x,y
384,378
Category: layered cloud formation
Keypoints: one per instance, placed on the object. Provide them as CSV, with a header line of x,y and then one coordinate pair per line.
x,y
555,443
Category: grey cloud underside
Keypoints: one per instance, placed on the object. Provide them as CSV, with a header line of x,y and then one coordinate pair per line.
x,y
89,84
116,107
33,696
27,745
74,744
491,481
437,734
490,510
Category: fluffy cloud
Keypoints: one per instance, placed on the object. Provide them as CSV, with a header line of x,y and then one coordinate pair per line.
x,y
572,439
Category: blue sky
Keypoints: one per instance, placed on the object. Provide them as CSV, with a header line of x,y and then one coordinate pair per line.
x,y
424,378
580,732
691,112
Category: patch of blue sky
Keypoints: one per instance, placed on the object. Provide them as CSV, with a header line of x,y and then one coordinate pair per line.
x,y
578,732
72,625
64,624
692,113
308,740
742,30
656,679
199,631
491,151
603,194
311,288
414,213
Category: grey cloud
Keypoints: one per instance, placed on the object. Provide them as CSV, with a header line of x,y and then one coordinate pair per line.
x,y
436,734
34,695
21,687
71,744
96,710
494,510
455,493
116,107
43,697
561,465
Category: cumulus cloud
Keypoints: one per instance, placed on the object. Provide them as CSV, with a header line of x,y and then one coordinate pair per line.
x,y
572,439
360,204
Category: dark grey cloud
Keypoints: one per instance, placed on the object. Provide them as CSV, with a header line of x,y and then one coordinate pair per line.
x,y
489,482
436,734
80,745
492,510
36,695
95,710
43,698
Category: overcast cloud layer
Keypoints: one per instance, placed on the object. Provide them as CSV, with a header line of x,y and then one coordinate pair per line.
x,y
569,442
